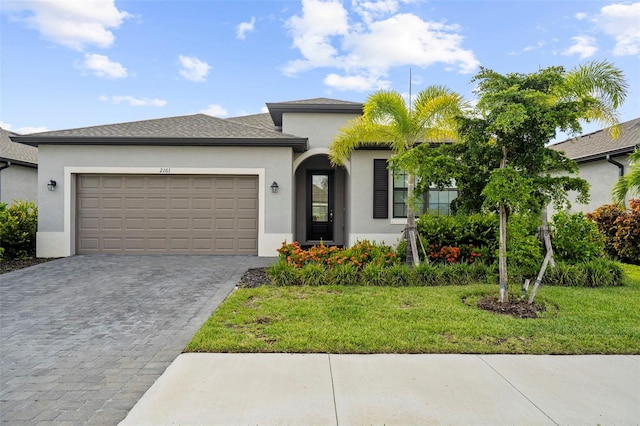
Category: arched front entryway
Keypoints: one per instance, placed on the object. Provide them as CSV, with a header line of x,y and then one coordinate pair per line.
x,y
320,201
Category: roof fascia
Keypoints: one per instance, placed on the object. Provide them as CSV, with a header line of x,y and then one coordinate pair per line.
x,y
18,162
603,155
298,144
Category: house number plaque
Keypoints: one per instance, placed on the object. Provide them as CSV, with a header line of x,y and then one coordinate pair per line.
x,y
165,170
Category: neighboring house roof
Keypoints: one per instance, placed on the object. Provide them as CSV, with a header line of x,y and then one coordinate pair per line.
x,y
312,105
597,145
16,153
188,130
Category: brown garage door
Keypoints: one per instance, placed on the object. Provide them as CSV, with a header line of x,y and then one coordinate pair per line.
x,y
167,214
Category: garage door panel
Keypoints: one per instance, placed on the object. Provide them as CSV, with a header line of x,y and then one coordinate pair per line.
x,y
157,203
247,224
167,214
156,224
157,182
112,182
134,203
247,183
112,223
112,203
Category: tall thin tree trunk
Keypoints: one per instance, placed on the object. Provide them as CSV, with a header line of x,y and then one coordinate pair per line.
x,y
502,258
413,258
548,258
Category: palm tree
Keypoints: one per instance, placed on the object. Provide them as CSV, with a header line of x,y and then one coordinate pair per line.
x,y
388,120
630,183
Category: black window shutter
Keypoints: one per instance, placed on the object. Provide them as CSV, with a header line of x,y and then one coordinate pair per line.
x,y
380,189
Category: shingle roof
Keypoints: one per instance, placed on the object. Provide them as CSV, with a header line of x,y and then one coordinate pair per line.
x,y
257,120
598,144
16,152
315,105
187,126
188,130
319,101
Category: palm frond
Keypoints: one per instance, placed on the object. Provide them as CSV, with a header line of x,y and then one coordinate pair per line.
x,y
358,132
630,183
604,85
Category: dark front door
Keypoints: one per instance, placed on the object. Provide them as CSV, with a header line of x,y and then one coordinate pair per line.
x,y
320,205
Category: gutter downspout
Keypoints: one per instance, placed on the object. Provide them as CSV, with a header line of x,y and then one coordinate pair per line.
x,y
615,163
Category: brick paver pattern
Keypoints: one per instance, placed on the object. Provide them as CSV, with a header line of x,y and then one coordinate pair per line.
x,y
82,338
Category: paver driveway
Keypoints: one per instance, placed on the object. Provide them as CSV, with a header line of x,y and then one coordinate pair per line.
x,y
82,338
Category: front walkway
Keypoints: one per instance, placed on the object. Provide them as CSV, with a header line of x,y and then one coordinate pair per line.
x,y
82,338
321,389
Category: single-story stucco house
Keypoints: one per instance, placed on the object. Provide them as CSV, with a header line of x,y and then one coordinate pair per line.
x,y
18,170
201,184
602,160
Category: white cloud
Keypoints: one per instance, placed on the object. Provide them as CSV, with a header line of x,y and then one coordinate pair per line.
x,y
621,21
193,69
23,130
134,101
245,27
327,36
580,16
74,24
370,10
312,34
584,46
102,66
356,82
215,111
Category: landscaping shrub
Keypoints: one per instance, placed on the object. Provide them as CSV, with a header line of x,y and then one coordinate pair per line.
x,y
398,276
602,273
524,251
604,217
626,242
359,255
428,274
475,233
313,274
455,239
283,274
575,239
346,274
18,226
373,274
621,229
595,273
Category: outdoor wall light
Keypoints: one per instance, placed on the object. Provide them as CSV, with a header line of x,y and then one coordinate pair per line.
x,y
51,186
274,187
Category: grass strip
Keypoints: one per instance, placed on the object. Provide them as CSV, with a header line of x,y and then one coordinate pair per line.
x,y
361,319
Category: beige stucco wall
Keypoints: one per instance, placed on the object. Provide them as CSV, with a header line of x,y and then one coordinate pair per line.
x,y
320,128
56,231
18,183
601,176
360,221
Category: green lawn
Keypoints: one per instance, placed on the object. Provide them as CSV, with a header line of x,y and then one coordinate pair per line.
x,y
359,319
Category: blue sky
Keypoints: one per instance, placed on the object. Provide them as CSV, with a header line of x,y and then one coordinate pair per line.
x,y
76,63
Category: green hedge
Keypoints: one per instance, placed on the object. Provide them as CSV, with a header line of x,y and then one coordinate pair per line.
x,y
18,225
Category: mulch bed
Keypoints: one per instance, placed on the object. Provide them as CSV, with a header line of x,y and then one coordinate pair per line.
x,y
514,307
254,277
8,265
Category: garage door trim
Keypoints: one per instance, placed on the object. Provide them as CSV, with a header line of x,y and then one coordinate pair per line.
x,y
70,195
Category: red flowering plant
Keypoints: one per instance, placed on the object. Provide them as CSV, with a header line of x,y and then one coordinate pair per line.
x,y
358,255
449,254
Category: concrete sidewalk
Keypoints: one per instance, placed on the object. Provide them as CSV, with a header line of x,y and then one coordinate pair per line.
x,y
320,389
